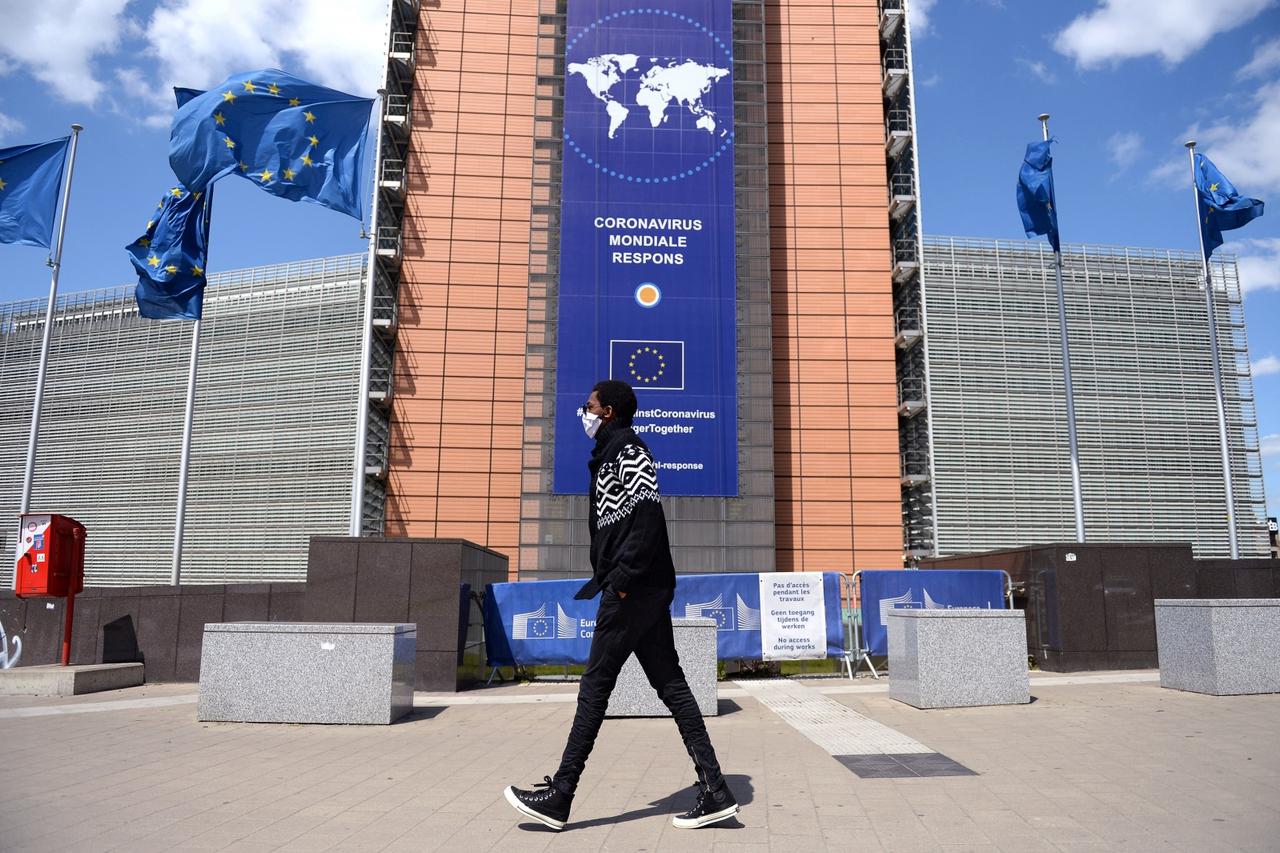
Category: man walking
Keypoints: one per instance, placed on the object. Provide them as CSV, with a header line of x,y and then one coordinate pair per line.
x,y
634,575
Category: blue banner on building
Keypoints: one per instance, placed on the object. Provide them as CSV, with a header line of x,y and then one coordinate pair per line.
x,y
539,622
884,590
647,277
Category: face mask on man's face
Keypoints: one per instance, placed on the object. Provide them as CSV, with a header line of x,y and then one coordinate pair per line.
x,y
591,424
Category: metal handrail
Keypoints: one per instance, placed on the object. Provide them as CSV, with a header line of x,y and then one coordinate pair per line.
x,y
389,239
910,390
895,59
393,170
402,43
907,320
395,108
914,463
897,121
906,250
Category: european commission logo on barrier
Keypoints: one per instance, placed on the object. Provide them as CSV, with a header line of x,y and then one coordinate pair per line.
x,y
537,625
655,365
747,618
887,604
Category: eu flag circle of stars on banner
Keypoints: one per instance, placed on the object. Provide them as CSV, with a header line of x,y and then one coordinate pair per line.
x,y
646,365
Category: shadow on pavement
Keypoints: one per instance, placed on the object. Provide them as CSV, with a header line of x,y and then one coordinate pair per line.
x,y
672,804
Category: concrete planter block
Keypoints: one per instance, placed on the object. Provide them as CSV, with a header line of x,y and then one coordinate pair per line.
x,y
958,658
696,645
291,672
1219,646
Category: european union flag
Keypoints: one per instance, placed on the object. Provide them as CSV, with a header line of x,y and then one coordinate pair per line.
x,y
170,257
30,176
292,138
1222,208
648,364
1035,193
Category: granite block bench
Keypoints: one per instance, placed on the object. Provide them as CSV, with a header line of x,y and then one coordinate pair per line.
x,y
291,672
959,657
696,645
1219,646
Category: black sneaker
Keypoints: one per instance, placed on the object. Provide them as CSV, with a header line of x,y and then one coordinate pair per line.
x,y
711,807
548,806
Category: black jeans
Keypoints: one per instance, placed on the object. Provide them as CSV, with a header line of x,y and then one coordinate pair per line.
x,y
640,623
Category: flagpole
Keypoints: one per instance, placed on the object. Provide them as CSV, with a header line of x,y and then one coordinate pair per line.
x,y
1218,398
366,342
185,465
1066,374
56,262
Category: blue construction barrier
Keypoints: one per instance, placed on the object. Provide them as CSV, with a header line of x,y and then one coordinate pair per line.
x,y
539,622
884,590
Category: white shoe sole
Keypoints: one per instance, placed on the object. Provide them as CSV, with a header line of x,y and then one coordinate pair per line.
x,y
557,825
706,819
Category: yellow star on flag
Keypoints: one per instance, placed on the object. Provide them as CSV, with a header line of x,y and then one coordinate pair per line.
x,y
171,269
220,119
153,261
2,184
294,102
150,222
313,140
176,192
244,167
265,175
306,160
249,87
230,142
197,270
309,116
228,96
273,89
288,174
144,241
1213,188
197,195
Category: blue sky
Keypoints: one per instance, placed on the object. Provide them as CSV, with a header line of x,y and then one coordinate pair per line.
x,y
1126,81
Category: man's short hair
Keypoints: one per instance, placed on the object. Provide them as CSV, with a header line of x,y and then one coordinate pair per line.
x,y
618,394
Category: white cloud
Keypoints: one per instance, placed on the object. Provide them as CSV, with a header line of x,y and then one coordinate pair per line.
x,y
336,43
1259,264
9,125
1271,444
1265,366
1266,58
1124,148
919,11
58,41
1171,29
1039,69
1242,149
1245,152
196,43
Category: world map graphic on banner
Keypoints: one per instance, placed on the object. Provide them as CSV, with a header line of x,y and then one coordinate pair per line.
x,y
662,83
647,229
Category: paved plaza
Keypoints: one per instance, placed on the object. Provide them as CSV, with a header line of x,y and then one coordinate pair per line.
x,y
1096,762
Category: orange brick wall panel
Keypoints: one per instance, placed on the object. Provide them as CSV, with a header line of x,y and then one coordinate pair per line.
x,y
890,558
836,474
463,312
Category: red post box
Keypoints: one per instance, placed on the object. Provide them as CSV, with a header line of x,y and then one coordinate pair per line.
x,y
51,564
50,557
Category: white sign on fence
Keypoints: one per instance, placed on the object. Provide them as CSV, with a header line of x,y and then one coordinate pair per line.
x,y
793,615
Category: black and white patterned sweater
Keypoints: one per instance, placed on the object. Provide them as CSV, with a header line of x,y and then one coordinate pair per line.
x,y
629,546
